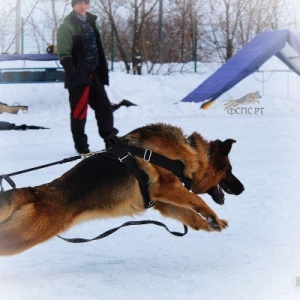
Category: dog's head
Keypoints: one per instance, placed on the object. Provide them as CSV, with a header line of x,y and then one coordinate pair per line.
x,y
216,176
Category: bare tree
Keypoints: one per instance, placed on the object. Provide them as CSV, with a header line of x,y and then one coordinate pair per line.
x,y
145,31
182,19
260,16
14,36
232,23
291,20
116,28
141,18
128,22
222,26
43,24
7,30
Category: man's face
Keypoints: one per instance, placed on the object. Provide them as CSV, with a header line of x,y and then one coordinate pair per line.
x,y
81,8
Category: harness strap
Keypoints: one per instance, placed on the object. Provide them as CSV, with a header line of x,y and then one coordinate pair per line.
x,y
8,180
130,223
131,164
175,166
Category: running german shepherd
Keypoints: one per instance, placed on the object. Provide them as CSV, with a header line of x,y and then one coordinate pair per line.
x,y
99,187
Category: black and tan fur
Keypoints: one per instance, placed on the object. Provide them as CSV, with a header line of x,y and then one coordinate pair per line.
x,y
99,188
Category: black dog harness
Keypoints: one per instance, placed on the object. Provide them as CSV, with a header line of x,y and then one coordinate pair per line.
x,y
125,154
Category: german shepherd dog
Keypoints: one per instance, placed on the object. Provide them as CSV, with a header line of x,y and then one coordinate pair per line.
x,y
99,187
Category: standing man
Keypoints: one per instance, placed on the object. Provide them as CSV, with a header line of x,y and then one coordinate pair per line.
x,y
80,52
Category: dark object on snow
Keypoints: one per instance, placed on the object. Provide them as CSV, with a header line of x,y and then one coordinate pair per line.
x,y
14,109
12,126
124,102
51,49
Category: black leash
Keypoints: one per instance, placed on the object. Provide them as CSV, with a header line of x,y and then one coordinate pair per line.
x,y
7,178
130,223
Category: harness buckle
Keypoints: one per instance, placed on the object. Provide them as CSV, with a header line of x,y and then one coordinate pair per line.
x,y
124,157
150,204
147,155
86,155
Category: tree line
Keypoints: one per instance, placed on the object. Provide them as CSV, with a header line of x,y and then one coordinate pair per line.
x,y
152,32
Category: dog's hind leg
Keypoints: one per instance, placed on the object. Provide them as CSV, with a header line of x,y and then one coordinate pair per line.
x,y
185,216
29,217
11,200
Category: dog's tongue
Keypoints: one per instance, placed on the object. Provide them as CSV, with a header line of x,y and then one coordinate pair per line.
x,y
217,194
221,193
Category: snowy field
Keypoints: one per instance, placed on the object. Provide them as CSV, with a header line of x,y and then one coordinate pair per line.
x,y
257,257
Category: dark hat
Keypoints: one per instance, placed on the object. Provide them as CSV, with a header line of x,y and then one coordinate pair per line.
x,y
76,1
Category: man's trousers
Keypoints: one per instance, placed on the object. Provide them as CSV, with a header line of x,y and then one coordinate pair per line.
x,y
94,96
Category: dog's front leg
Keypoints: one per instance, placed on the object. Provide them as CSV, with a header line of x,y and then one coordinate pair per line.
x,y
184,215
168,189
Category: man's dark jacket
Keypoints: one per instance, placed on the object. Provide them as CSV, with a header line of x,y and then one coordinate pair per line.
x,y
70,51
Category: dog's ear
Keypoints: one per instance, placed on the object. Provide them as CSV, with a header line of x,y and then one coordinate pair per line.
x,y
225,146
191,140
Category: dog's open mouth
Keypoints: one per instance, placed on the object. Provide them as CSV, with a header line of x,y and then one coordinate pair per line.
x,y
225,188
216,192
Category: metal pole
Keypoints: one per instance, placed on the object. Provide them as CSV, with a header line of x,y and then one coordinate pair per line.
x,y
263,73
288,85
195,46
18,26
22,37
112,48
160,30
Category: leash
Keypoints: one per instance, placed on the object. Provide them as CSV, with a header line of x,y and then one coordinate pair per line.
x,y
7,178
130,223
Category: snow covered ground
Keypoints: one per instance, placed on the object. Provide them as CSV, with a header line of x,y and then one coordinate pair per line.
x,y
257,257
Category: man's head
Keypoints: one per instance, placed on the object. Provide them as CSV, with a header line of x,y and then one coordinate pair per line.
x,y
80,6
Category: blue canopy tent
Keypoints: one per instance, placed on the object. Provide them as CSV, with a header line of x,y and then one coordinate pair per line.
x,y
282,43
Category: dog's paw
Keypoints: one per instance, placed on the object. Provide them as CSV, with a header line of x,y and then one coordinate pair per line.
x,y
216,224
